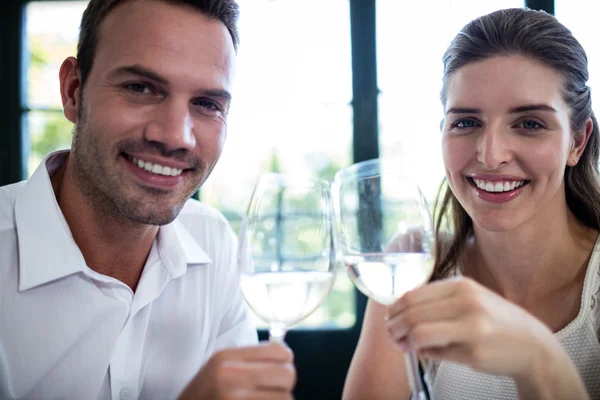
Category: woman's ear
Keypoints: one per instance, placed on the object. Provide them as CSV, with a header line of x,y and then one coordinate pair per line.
x,y
580,140
70,85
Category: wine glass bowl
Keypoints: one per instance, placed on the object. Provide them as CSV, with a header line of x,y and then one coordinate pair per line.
x,y
286,254
383,227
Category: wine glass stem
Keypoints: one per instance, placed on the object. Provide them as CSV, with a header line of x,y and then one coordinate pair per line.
x,y
277,332
414,379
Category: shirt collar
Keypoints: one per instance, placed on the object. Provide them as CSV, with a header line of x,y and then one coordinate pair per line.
x,y
47,250
178,249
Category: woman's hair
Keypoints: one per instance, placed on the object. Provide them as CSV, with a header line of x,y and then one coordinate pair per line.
x,y
537,35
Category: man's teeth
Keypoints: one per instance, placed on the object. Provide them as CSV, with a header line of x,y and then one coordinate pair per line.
x,y
155,168
494,187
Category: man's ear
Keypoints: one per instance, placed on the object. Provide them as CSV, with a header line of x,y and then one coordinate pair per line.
x,y
70,86
580,140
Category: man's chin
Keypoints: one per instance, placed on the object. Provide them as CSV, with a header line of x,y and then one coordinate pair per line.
x,y
153,217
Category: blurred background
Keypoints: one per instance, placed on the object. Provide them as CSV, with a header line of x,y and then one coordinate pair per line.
x,y
321,84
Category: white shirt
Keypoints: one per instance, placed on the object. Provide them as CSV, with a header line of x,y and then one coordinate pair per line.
x,y
580,338
68,332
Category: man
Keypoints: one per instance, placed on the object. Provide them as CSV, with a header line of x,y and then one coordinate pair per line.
x,y
112,284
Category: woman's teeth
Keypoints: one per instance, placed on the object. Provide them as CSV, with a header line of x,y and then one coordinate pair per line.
x,y
497,186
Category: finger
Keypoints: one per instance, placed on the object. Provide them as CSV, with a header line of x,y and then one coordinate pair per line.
x,y
432,291
259,375
266,351
458,353
275,376
437,334
410,241
434,311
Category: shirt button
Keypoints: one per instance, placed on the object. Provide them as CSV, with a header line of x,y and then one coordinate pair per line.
x,y
125,394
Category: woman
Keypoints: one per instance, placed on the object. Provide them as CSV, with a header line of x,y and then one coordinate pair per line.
x,y
520,145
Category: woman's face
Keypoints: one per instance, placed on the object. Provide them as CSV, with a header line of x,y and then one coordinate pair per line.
x,y
507,140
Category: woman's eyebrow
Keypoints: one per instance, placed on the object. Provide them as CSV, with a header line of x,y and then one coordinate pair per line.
x,y
461,110
532,107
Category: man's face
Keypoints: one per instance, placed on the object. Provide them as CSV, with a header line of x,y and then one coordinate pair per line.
x,y
151,121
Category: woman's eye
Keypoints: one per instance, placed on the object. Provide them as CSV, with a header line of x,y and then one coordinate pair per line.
x,y
465,124
531,125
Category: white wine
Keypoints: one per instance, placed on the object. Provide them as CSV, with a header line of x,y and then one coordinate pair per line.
x,y
386,277
285,297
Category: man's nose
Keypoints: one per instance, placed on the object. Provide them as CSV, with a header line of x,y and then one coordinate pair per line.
x,y
172,126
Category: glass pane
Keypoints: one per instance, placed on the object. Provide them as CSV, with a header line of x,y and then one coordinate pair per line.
x,y
577,16
52,29
48,131
409,62
290,112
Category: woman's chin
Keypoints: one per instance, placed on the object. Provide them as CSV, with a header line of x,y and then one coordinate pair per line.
x,y
495,221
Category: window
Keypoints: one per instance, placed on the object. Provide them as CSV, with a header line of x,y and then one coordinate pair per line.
x,y
52,29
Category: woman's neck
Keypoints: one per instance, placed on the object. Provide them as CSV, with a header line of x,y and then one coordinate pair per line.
x,y
516,262
538,266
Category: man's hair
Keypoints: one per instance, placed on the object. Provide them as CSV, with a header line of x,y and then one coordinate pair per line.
x,y
226,11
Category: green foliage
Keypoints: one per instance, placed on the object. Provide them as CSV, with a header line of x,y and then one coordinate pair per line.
x,y
56,134
48,130
274,163
38,56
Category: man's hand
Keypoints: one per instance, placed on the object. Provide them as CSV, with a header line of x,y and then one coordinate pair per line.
x,y
265,371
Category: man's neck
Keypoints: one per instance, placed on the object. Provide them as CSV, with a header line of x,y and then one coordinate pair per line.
x,y
111,245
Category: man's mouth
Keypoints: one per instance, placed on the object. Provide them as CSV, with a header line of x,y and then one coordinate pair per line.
x,y
153,168
497,186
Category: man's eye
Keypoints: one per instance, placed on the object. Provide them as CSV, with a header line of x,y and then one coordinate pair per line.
x,y
208,105
138,88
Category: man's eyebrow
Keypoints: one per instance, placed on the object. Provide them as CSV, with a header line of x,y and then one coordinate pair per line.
x,y
221,93
462,110
532,107
139,71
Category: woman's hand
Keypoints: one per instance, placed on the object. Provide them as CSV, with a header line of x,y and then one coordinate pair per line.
x,y
461,321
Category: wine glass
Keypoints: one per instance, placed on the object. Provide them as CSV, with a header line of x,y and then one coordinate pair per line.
x,y
384,235
286,251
